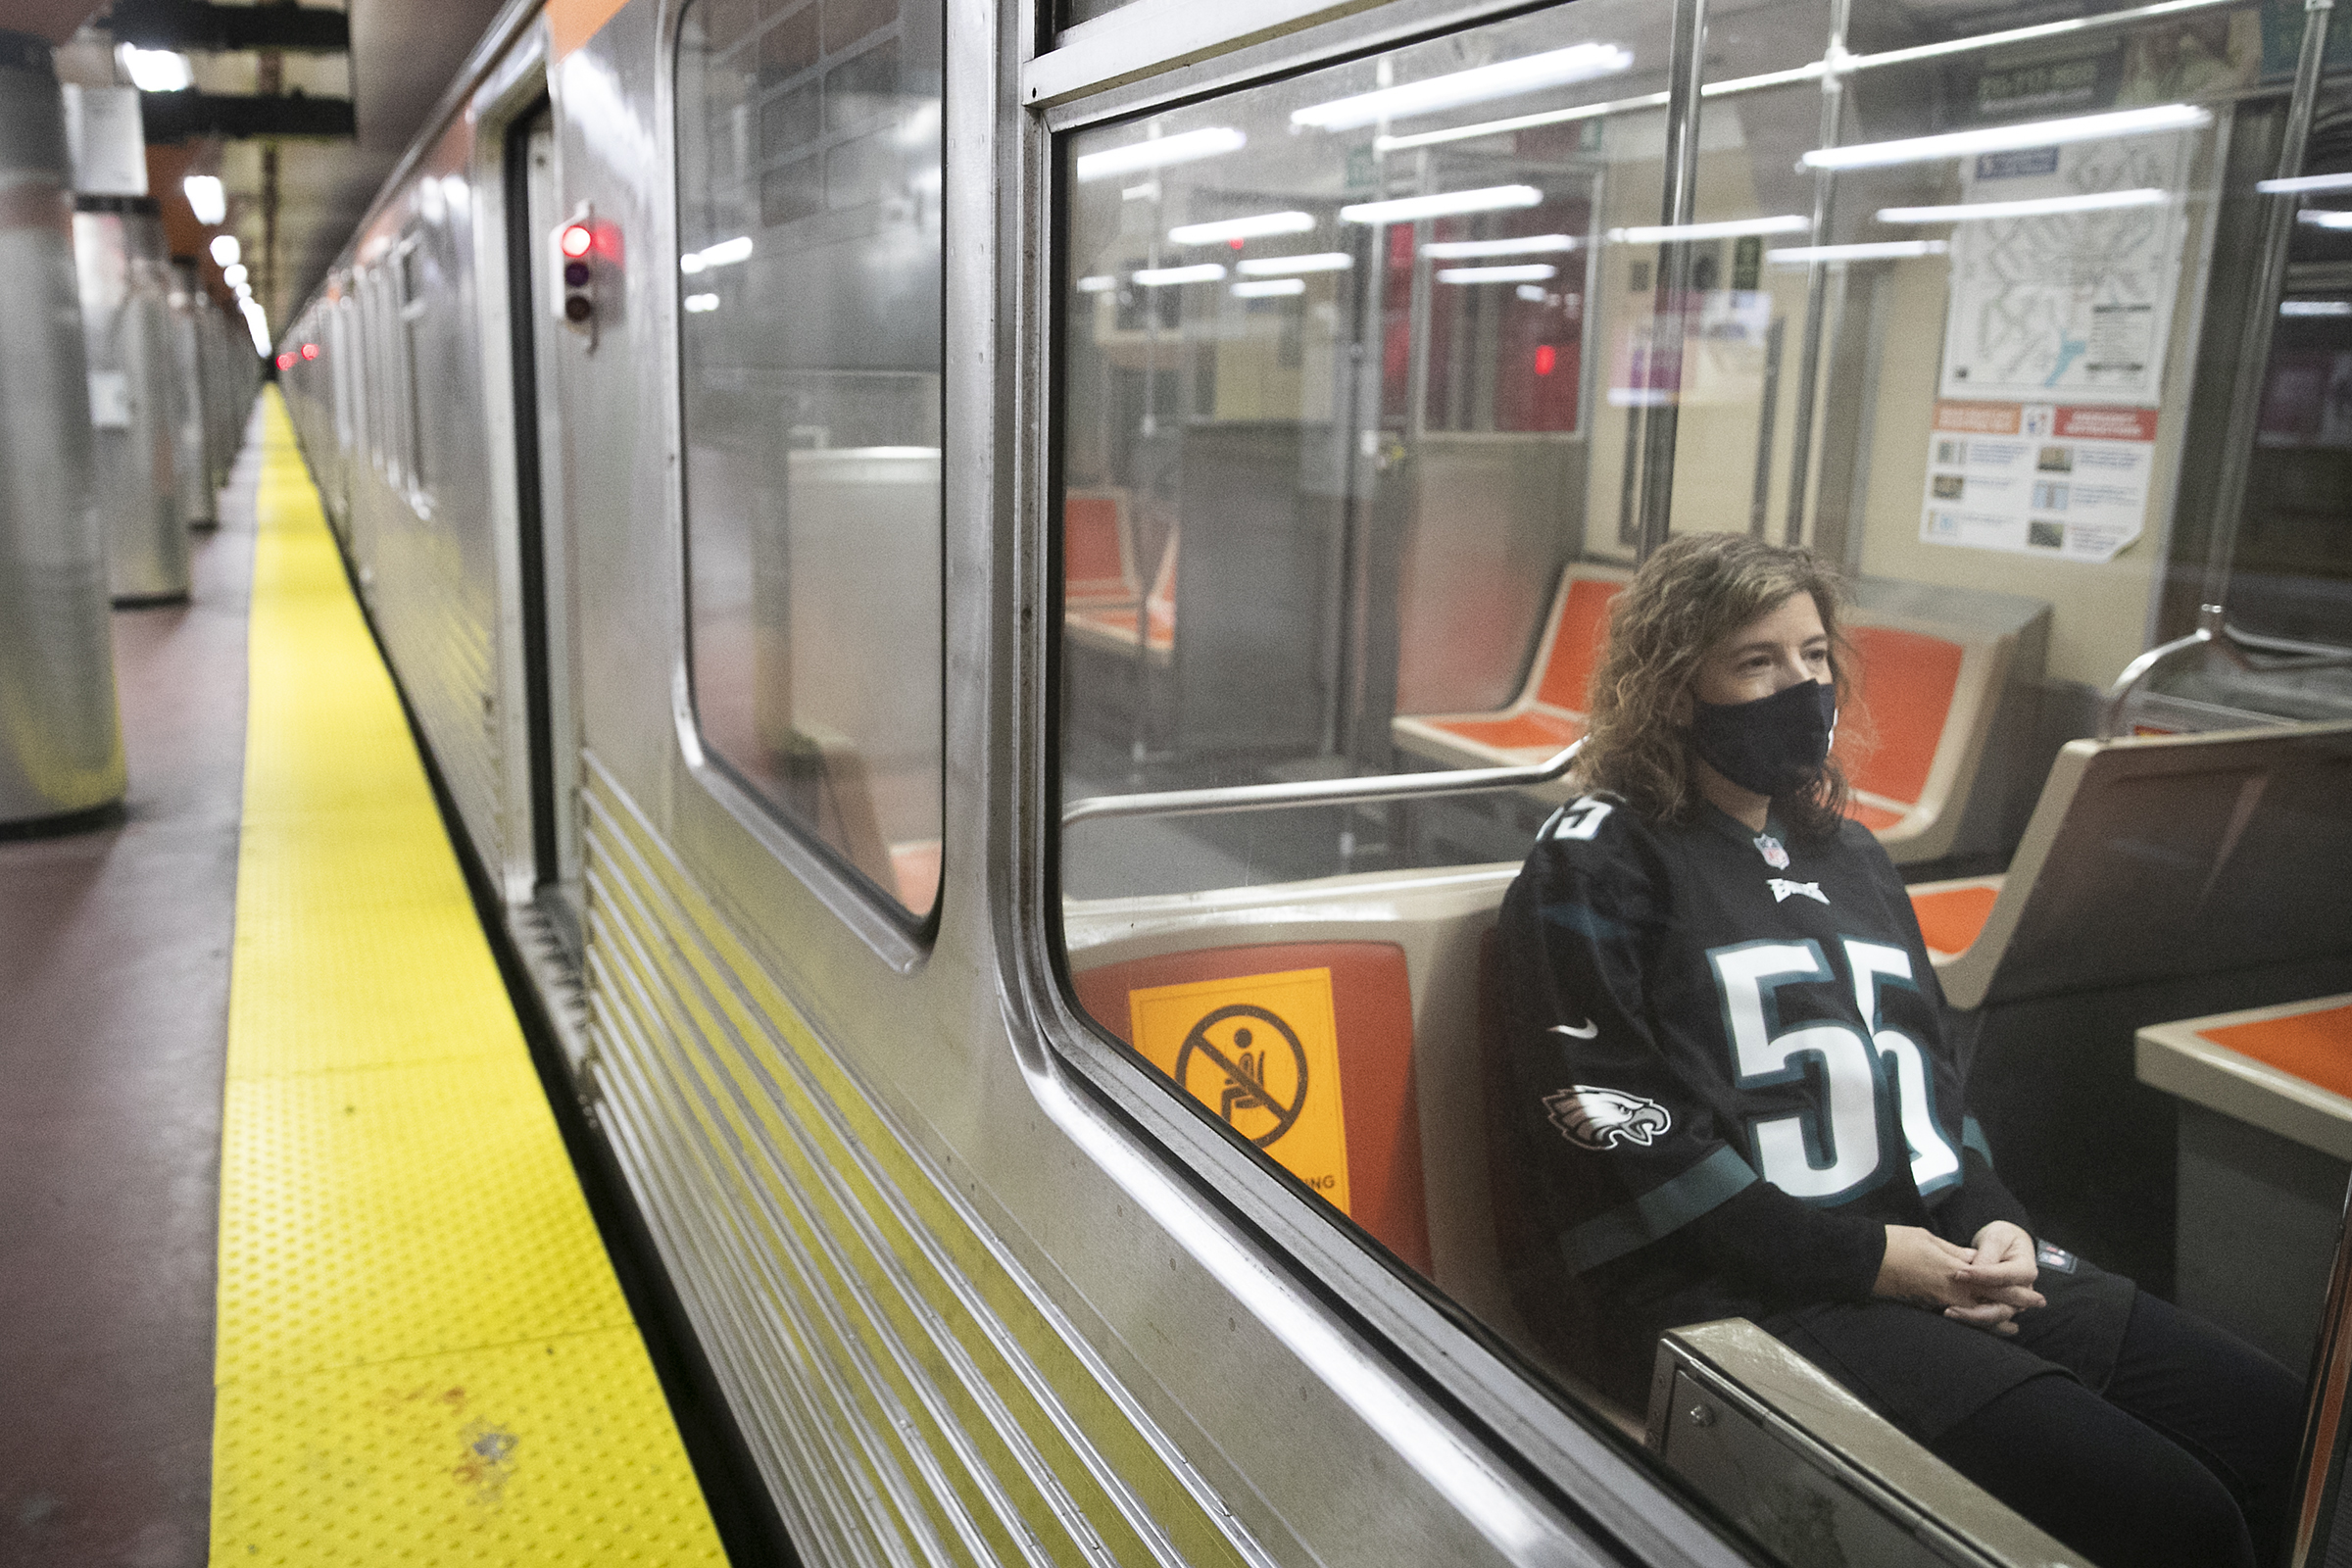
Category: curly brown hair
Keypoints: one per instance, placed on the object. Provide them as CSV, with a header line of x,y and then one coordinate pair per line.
x,y
1694,591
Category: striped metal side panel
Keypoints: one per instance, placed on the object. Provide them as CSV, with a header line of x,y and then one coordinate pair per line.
x,y
912,1396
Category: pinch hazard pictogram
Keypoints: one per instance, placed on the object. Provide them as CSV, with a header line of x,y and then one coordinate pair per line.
x,y
1263,1053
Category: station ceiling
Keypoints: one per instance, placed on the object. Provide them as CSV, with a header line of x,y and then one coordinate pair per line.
x,y
290,219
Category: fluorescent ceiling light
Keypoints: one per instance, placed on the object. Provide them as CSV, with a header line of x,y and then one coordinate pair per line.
x,y
1097,284
233,274
2001,138
1446,204
1446,250
1252,227
1527,273
1147,191
1576,63
1170,276
244,291
699,304
155,70
2314,307
2303,182
1812,71
2322,218
2042,207
205,198
226,250
1729,228
726,253
1533,293
1284,266
1265,288
1159,153
1885,250
257,324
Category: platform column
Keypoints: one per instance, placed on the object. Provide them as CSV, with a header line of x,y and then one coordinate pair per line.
x,y
61,744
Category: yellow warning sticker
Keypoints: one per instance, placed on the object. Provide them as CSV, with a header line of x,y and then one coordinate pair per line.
x,y
1262,1050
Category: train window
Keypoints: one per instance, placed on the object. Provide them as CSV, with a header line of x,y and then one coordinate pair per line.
x,y
1374,383
809,310
412,303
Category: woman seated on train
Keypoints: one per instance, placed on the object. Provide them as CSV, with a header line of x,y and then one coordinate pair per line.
x,y
1736,1095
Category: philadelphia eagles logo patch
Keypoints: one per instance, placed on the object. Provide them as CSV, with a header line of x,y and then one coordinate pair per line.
x,y
1600,1119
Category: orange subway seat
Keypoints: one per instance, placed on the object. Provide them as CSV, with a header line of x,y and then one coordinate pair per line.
x,y
1906,681
2315,1047
1097,560
1950,919
1549,711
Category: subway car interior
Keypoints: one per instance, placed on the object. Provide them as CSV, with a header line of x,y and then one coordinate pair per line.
x,y
874,673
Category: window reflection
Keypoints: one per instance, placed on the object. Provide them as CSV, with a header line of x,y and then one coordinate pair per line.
x,y
809,247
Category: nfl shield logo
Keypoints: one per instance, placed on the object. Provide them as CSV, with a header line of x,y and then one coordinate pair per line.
x,y
1774,856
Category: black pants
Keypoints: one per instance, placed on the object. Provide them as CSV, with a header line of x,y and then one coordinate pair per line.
x,y
2188,1458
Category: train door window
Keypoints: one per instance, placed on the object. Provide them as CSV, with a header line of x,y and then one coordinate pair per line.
x,y
412,305
809,319
1375,383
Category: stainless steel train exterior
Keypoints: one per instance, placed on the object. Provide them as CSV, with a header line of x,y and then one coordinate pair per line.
x,y
978,1287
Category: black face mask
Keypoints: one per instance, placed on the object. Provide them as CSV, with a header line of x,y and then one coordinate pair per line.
x,y
1774,745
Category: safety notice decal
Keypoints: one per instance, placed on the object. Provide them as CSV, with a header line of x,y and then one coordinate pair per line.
x,y
2071,482
1261,1051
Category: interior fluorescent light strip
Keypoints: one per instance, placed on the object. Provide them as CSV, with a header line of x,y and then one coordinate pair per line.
x,y
2002,138
1446,250
2042,207
1188,147
1577,63
1285,266
1169,276
2314,307
1445,204
1255,226
726,253
2319,218
1097,284
1616,106
207,199
1528,273
1266,288
2302,183
1885,250
1729,228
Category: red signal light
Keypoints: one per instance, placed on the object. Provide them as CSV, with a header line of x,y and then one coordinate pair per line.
x,y
1547,356
310,351
576,240
285,361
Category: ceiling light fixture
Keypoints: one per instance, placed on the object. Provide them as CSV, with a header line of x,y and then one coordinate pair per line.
x,y
1446,250
1255,226
2147,121
1885,250
1285,266
1445,204
1170,276
1159,152
1728,228
205,198
1525,272
1268,288
2042,207
1556,67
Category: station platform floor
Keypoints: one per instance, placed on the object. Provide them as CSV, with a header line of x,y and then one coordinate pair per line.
x,y
294,1266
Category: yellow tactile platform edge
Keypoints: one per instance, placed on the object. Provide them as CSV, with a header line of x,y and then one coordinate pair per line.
x,y
422,1354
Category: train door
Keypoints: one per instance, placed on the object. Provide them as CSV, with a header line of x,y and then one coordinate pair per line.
x,y
544,554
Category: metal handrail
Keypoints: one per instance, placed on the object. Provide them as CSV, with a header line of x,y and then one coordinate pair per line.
x,y
1320,792
2214,631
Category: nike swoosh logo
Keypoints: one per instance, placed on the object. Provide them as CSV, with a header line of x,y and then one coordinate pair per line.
x,y
1586,1032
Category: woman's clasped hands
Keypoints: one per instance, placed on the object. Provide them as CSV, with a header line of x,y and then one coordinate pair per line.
x,y
1985,1286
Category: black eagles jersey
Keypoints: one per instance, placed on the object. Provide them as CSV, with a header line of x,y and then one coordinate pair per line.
x,y
1696,1008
